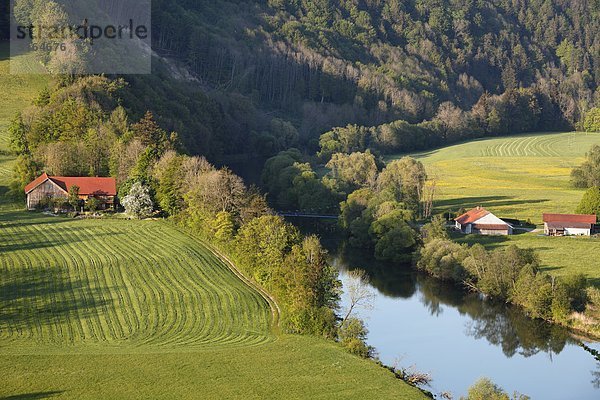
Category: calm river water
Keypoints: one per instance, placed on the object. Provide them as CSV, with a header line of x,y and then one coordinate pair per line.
x,y
458,337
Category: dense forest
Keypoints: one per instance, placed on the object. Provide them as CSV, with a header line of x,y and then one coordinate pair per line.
x,y
326,63
252,78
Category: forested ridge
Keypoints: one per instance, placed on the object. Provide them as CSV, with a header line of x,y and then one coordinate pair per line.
x,y
322,64
262,76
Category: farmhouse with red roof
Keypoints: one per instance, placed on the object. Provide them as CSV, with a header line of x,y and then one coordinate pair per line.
x,y
54,187
482,222
569,224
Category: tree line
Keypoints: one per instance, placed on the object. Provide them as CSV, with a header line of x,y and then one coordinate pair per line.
x,y
293,70
326,63
515,111
510,275
378,204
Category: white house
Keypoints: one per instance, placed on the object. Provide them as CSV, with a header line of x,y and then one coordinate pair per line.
x,y
482,222
569,224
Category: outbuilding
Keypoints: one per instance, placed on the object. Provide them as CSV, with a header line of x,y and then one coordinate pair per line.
x,y
57,187
569,224
480,221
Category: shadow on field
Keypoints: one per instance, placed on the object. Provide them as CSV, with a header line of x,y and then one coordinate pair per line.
x,y
25,218
14,235
30,298
594,282
425,154
484,201
4,50
24,241
31,396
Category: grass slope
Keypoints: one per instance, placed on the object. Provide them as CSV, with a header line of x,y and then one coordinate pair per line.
x,y
16,93
521,177
515,177
115,282
137,309
117,309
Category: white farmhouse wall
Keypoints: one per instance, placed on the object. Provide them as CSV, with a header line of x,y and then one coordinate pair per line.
x,y
490,219
577,232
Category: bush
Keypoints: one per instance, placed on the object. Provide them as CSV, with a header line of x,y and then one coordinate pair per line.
x,y
92,204
443,259
353,336
485,389
592,120
590,203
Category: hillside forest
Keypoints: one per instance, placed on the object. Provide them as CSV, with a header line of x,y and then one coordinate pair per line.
x,y
240,79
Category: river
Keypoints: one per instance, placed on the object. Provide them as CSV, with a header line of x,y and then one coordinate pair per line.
x,y
459,337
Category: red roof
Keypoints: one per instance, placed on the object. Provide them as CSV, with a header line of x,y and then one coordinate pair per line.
x,y
472,216
570,218
87,185
37,182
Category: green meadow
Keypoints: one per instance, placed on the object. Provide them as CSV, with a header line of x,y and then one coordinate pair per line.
x,y
118,309
514,177
16,93
138,309
519,177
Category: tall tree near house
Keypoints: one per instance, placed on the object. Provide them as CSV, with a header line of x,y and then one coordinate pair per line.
x,y
73,199
590,203
168,171
152,135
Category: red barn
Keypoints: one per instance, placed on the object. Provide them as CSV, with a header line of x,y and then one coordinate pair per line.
x,y
569,224
53,187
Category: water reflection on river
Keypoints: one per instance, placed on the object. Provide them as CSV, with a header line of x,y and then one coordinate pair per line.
x,y
459,337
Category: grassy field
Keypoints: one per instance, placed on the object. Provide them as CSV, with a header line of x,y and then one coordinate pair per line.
x,y
117,309
138,309
559,255
69,283
519,177
16,93
515,177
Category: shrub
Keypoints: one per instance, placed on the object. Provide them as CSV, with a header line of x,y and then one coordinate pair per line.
x,y
353,335
92,204
138,201
443,259
485,389
590,203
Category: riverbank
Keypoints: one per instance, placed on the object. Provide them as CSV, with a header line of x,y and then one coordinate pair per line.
x,y
441,329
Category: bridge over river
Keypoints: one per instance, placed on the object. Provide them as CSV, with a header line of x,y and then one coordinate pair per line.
x,y
302,214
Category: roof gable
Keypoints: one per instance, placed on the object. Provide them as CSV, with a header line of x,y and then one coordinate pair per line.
x,y
570,218
473,215
36,182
